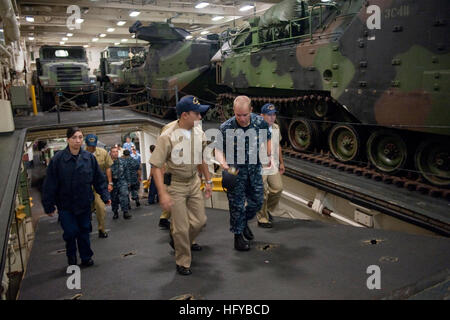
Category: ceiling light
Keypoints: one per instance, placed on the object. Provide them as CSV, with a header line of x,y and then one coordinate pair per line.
x,y
61,42
102,35
79,20
116,43
94,39
31,38
29,19
110,29
69,34
216,18
246,8
121,23
65,38
86,46
204,32
202,5
124,40
134,13
188,37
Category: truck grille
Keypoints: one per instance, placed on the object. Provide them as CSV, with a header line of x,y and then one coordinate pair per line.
x,y
67,74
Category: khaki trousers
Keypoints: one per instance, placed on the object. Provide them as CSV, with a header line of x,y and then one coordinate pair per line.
x,y
100,211
188,217
273,187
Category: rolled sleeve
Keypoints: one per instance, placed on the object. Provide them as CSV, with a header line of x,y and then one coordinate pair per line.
x,y
161,152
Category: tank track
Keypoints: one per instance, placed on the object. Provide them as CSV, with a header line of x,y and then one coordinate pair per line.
x,y
410,183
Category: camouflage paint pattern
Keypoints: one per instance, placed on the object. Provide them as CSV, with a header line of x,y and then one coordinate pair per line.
x,y
396,75
170,62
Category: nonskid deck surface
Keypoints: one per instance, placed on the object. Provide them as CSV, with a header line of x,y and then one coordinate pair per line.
x,y
297,259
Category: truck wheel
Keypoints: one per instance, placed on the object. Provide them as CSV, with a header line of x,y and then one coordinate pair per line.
x,y
92,100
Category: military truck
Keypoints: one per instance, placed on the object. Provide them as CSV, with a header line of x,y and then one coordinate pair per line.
x,y
65,69
112,61
367,81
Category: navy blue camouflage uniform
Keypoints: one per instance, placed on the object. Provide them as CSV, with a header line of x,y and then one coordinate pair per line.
x,y
119,194
131,167
68,186
249,184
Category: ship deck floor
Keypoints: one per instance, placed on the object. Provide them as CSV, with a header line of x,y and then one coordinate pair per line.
x,y
297,259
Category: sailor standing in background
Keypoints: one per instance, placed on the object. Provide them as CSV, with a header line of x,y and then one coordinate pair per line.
x,y
133,172
119,193
273,185
105,162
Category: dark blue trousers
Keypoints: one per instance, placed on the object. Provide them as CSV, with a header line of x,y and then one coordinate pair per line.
x,y
249,188
76,232
152,192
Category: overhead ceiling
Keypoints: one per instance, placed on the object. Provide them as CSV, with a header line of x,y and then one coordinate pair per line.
x,y
54,19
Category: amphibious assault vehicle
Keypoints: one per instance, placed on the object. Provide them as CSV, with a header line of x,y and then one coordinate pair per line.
x,y
172,66
366,81
355,78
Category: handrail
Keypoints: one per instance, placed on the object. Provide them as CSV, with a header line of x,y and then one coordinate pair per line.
x,y
290,24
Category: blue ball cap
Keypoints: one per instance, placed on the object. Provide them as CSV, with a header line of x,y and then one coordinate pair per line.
x,y
91,140
268,108
190,103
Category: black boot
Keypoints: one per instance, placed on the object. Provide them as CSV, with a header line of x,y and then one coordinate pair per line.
x,y
164,224
116,215
171,243
126,215
240,243
248,234
183,270
137,203
102,234
72,260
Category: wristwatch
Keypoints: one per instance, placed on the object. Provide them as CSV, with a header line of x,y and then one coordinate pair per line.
x,y
209,182
110,183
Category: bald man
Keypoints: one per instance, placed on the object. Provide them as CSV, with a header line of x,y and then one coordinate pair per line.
x,y
246,132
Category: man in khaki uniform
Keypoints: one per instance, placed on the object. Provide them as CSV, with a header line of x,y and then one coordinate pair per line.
x,y
273,185
105,162
179,187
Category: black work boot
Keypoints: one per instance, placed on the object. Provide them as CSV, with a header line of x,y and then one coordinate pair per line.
x,y
171,243
240,243
183,270
248,234
196,247
87,263
164,224
102,234
72,260
116,215
137,203
126,215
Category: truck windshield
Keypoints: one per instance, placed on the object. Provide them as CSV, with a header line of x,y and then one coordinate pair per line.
x,y
63,53
123,53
